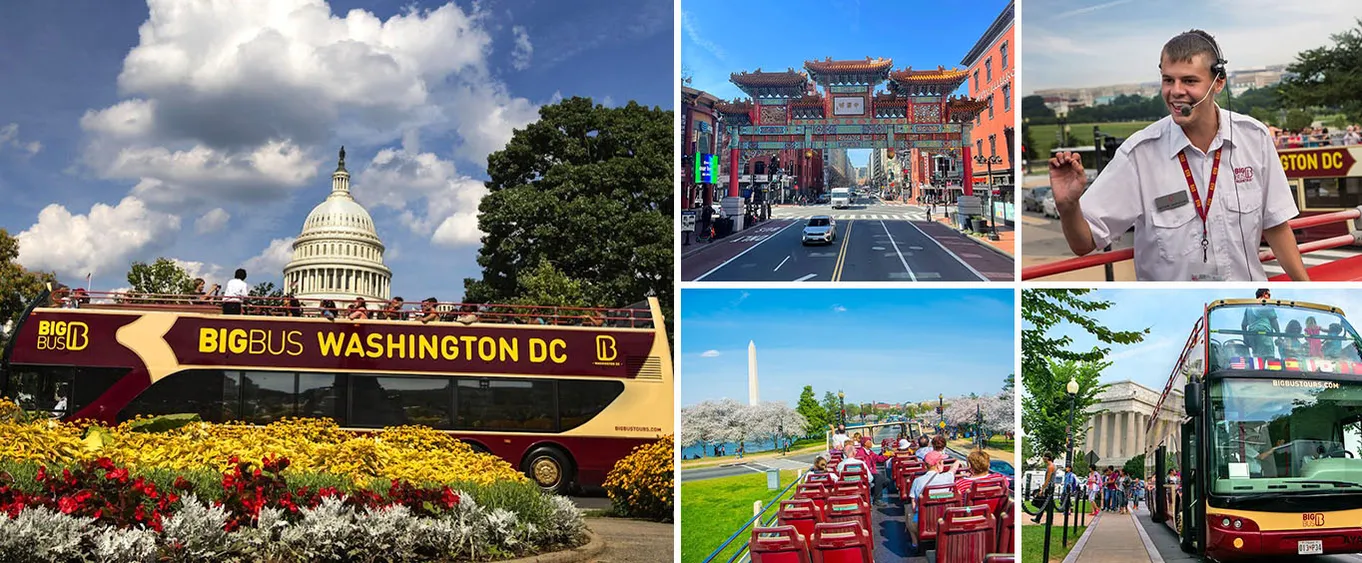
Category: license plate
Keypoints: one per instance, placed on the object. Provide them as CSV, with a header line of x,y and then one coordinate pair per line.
x,y
1310,547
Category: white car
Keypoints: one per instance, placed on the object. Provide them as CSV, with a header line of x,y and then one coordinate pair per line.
x,y
1047,207
820,228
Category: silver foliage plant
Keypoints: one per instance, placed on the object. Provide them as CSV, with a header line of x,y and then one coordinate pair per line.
x,y
331,531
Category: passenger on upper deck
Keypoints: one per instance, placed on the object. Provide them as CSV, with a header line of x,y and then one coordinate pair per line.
x,y
236,291
328,309
936,475
839,437
1261,320
357,310
820,465
293,307
428,312
1292,345
924,447
393,310
979,471
872,461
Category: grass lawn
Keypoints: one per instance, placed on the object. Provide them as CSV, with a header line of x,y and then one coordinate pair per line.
x,y
1044,136
713,509
1033,542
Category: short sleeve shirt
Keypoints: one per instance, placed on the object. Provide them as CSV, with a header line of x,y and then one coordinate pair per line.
x,y
1251,195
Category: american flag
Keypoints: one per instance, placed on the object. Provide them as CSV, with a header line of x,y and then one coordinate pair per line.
x,y
1239,363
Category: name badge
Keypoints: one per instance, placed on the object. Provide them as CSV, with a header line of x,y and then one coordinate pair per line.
x,y
1207,277
1171,201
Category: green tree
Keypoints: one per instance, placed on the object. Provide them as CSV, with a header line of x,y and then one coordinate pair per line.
x,y
1028,146
1328,76
1033,108
265,289
1267,116
590,188
162,277
1135,466
18,285
1045,404
815,418
833,406
1298,119
1008,383
1050,399
548,286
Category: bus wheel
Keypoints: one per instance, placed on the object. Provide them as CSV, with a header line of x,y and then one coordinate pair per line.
x,y
478,448
550,469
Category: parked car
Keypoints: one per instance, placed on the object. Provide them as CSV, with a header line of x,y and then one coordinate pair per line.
x,y
820,228
1048,207
1033,198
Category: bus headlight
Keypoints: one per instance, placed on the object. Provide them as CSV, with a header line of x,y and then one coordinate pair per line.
x,y
1238,524
1225,522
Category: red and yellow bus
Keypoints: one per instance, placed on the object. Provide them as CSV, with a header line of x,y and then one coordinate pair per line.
x,y
560,393
1267,457
1322,180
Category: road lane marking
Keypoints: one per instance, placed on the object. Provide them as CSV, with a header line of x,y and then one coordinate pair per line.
x,y
949,253
898,252
842,255
782,263
749,249
805,278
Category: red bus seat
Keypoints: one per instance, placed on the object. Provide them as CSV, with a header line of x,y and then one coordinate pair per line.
x,y
778,544
1006,518
931,506
1000,558
815,492
848,509
825,479
990,491
841,542
800,513
965,534
857,488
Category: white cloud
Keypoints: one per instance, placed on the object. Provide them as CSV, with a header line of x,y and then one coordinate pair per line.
x,y
233,101
520,57
211,273
105,240
212,221
433,198
9,135
693,34
839,309
709,354
269,264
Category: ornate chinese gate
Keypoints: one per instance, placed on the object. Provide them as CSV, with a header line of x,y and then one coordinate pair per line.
x,y
787,111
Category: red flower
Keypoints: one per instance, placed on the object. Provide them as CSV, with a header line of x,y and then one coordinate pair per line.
x,y
182,484
67,505
42,473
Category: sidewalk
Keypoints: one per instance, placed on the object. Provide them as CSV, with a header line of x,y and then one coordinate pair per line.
x,y
1007,236
1113,539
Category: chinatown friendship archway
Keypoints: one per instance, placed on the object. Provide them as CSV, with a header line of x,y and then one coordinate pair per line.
x,y
787,111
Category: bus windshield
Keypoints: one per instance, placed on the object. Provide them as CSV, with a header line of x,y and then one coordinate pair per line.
x,y
1276,337
841,192
1285,436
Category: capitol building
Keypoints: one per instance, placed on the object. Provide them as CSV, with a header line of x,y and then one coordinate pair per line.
x,y
338,255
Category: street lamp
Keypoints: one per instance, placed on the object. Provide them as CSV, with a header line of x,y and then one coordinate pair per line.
x,y
841,401
990,161
1072,389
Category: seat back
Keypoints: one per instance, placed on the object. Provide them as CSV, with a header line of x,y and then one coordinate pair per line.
x,y
990,491
1000,558
1006,516
841,542
825,479
835,457
800,513
857,488
848,509
965,534
931,506
778,544
812,491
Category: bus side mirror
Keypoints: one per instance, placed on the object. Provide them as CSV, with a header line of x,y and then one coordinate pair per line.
x,y
1191,397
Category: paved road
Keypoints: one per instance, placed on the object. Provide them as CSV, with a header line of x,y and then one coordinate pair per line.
x,y
1166,543
797,462
1043,241
875,242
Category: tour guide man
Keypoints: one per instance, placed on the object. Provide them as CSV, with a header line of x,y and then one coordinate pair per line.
x,y
1201,186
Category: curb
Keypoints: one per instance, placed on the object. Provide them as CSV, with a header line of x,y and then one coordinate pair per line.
x,y
1149,547
574,555
1083,541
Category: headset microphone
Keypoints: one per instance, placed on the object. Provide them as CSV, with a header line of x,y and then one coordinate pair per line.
x,y
1186,111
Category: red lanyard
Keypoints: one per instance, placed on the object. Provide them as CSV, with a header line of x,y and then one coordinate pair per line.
x,y
1196,198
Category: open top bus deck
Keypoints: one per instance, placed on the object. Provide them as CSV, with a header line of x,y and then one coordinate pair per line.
x,y
561,393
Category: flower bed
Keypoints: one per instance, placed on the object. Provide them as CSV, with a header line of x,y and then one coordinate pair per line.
x,y
210,492
642,484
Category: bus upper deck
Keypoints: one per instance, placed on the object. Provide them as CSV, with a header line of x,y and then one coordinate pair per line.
x,y
834,515
576,388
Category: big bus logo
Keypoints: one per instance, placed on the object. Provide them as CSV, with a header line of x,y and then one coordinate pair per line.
x,y
71,336
1312,520
605,348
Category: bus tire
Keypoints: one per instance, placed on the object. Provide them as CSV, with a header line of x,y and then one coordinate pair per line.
x,y
479,448
550,469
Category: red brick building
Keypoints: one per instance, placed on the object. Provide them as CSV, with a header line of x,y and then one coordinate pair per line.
x,y
992,62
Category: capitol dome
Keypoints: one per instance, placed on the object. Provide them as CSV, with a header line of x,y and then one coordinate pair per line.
x,y
338,255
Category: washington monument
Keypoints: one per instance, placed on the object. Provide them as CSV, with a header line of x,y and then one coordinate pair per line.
x,y
752,397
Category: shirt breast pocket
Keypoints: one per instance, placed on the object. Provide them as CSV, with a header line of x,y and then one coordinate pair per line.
x,y
1174,232
1245,205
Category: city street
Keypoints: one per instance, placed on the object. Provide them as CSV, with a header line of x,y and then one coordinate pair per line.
x,y
875,242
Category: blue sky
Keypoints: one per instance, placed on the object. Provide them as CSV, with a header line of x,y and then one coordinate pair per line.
x,y
1074,43
719,38
1170,314
130,131
891,345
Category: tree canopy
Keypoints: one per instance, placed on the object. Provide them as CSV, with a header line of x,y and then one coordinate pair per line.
x,y
587,189
162,277
18,285
1328,76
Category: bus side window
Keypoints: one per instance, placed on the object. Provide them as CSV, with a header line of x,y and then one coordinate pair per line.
x,y
392,401
212,394
579,401
42,388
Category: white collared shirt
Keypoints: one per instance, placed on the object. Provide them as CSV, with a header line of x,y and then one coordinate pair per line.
x,y
1251,194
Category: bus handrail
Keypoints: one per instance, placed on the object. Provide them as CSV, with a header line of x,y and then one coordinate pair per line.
x,y
1091,260
797,480
311,307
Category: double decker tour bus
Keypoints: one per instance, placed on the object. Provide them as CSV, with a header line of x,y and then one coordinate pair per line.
x,y
562,394
1268,450
1323,180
